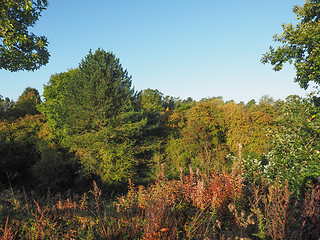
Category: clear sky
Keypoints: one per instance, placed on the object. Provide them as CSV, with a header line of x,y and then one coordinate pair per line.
x,y
183,48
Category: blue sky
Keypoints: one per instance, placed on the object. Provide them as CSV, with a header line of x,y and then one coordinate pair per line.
x,y
183,48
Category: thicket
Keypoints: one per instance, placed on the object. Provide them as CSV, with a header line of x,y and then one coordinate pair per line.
x,y
194,169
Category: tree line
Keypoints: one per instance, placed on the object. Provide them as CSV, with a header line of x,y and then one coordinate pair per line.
x,y
92,124
214,169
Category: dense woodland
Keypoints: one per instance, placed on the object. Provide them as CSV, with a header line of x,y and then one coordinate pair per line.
x,y
215,167
92,158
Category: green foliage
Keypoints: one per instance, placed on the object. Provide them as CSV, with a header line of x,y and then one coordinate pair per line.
x,y
110,152
98,93
30,151
175,103
55,105
151,100
56,168
201,140
299,45
211,203
5,107
247,126
19,49
29,155
208,132
92,110
18,151
251,103
294,153
27,103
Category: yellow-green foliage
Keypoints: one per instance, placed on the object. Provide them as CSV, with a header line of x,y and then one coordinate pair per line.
x,y
18,151
29,154
248,127
205,134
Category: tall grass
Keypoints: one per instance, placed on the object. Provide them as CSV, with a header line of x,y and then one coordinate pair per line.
x,y
195,206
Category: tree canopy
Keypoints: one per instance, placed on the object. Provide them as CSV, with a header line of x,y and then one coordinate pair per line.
x,y
20,49
92,109
300,45
151,100
27,103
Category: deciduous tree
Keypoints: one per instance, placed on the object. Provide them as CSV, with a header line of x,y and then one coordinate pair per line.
x,y
20,49
300,45
294,153
151,100
27,103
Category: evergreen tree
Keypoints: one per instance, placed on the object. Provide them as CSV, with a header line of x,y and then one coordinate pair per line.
x,y
92,109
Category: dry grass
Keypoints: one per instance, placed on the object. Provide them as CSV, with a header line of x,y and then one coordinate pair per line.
x,y
218,206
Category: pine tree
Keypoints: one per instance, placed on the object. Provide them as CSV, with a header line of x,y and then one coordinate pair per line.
x,y
93,111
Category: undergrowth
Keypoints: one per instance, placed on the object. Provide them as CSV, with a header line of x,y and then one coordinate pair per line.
x,y
216,206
